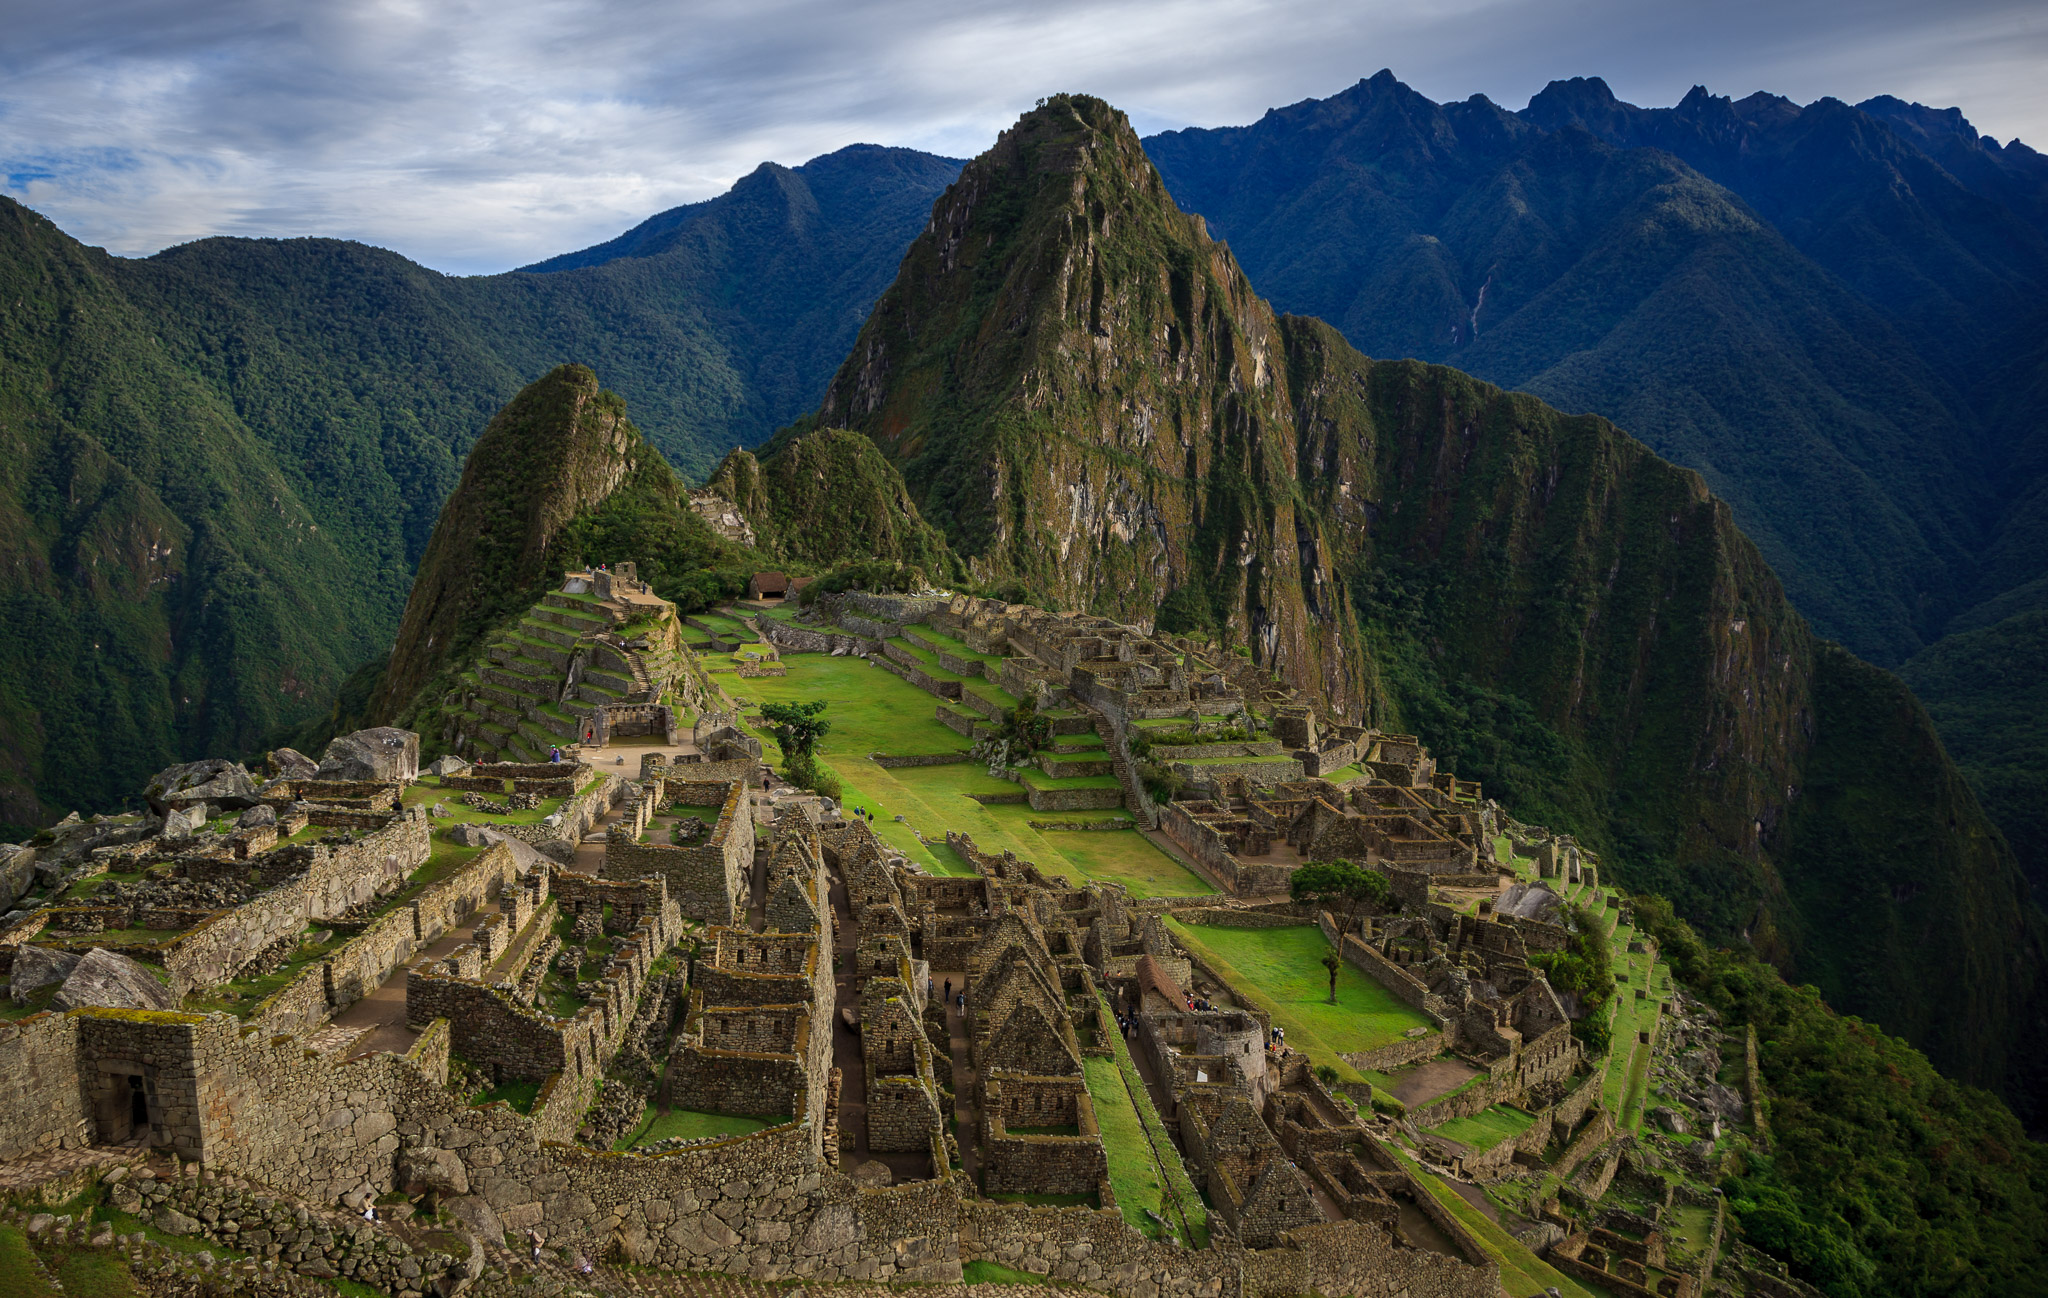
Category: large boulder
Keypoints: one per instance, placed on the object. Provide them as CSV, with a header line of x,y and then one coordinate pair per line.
x,y
447,764
257,817
183,822
421,1169
215,780
108,980
36,967
379,753
291,764
17,872
470,836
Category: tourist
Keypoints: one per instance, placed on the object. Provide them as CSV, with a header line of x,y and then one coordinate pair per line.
x,y
555,754
947,993
961,1003
533,1240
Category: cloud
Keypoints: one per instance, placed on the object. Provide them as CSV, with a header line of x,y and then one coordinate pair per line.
x,y
476,136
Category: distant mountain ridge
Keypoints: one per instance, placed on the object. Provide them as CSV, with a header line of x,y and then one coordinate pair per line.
x,y
1833,313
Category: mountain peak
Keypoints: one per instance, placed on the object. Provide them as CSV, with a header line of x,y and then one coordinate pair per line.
x,y
1581,101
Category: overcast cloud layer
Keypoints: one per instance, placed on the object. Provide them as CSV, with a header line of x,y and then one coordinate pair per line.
x,y
475,137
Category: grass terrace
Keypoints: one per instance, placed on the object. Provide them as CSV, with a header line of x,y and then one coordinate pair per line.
x,y
1522,1273
657,1123
1487,1128
1145,1169
873,710
1280,971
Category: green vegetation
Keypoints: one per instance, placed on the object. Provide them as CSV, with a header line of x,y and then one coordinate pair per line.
x,y
828,497
1987,690
1584,970
990,1273
558,480
1340,886
1522,1273
18,1267
520,1095
250,440
1280,970
1145,1169
876,711
688,1124
1487,1128
1884,1177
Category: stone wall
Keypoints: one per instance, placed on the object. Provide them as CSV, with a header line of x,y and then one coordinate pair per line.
x,y
708,879
360,965
337,878
42,1106
889,763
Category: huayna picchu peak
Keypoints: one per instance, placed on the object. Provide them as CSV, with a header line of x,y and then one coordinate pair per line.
x,y
1129,793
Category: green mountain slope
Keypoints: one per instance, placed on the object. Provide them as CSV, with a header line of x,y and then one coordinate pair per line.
x,y
235,451
1987,689
1084,394
829,497
560,480
169,588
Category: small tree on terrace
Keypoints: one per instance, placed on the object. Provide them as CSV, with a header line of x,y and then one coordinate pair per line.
x,y
1340,886
797,727
1333,964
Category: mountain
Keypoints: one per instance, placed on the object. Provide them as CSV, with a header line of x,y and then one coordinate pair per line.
x,y
561,479
1083,393
830,497
233,453
1830,312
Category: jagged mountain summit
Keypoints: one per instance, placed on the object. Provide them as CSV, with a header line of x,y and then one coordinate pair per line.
x,y
1084,395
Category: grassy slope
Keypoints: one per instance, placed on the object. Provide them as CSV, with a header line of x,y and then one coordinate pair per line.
x,y
1987,690
872,710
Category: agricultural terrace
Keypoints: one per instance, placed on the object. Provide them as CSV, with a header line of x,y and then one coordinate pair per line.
x,y
872,710
1280,970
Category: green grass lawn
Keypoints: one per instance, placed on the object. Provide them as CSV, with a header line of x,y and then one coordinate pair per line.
x,y
520,1095
1487,1128
688,1123
18,1278
872,710
1280,971
957,648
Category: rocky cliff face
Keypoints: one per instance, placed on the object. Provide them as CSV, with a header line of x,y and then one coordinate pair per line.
x,y
1084,394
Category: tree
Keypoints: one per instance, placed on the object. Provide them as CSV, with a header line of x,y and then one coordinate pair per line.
x,y
1332,963
1342,886
796,726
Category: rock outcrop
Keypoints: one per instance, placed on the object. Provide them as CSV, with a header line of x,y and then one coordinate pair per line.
x,y
105,979
381,753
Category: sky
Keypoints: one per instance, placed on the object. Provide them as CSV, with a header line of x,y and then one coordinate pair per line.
x,y
478,136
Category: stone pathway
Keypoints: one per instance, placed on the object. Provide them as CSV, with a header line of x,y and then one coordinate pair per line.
x,y
64,1167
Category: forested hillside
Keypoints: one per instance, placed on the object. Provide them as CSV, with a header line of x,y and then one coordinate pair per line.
x,y
233,453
